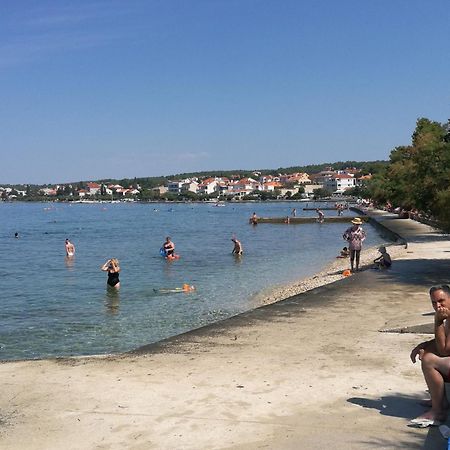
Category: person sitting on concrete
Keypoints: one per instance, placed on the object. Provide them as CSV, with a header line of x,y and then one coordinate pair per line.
x,y
384,261
435,358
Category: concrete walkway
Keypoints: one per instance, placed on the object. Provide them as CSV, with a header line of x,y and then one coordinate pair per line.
x,y
310,372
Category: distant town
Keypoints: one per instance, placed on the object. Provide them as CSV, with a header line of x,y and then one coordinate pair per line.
x,y
256,186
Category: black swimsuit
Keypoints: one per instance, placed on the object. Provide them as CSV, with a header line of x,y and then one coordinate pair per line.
x,y
113,278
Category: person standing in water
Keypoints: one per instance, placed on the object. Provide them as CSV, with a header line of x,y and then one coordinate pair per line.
x,y
355,236
320,215
169,247
112,267
237,250
70,248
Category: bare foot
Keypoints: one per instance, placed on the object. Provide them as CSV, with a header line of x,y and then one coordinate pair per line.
x,y
432,415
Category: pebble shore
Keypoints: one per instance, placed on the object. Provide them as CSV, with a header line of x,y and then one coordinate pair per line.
x,y
331,273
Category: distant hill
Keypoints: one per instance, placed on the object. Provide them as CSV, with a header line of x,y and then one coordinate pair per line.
x,y
149,182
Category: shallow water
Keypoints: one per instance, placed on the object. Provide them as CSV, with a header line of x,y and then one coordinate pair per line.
x,y
55,306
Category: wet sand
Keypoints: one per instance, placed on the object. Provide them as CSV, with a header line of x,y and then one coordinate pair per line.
x,y
312,371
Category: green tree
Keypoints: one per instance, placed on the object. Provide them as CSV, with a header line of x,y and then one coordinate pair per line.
x,y
418,175
321,193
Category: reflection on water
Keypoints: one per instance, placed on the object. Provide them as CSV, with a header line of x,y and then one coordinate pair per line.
x,y
237,259
69,262
112,300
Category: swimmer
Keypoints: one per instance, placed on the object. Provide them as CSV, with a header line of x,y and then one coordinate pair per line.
x,y
112,267
16,235
169,247
320,215
254,219
186,288
237,250
70,248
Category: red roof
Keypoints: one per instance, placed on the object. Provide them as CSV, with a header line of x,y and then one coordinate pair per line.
x,y
342,176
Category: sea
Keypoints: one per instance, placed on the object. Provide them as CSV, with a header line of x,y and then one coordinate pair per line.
x,y
53,306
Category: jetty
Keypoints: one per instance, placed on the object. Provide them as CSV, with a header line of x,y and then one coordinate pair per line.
x,y
325,208
299,220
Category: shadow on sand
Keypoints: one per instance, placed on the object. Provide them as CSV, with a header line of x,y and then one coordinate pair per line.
x,y
406,407
418,272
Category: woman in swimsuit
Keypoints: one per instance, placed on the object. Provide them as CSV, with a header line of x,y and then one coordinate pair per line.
x,y
112,267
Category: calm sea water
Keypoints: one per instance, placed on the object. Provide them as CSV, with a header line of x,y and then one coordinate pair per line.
x,y
54,306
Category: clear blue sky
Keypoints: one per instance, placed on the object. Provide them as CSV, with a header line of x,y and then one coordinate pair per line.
x,y
114,89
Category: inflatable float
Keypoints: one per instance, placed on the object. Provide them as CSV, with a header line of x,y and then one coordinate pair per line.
x,y
163,253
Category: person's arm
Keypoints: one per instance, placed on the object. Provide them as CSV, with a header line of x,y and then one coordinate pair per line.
x,y
114,267
420,349
105,266
441,334
378,259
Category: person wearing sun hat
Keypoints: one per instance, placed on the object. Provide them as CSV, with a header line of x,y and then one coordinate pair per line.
x,y
355,236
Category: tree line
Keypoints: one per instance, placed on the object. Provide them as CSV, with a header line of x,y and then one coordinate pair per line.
x,y
417,176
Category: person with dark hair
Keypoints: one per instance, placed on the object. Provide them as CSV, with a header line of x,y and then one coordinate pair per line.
x,y
345,253
435,358
237,249
253,219
70,248
168,247
320,215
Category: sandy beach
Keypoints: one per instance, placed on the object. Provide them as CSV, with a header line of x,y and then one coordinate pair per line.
x,y
325,367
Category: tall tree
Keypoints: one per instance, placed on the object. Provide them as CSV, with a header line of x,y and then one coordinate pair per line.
x,y
418,175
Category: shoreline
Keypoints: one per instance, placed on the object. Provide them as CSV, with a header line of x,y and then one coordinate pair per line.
x,y
300,373
330,273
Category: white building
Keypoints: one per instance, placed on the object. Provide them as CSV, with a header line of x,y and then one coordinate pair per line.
x,y
175,186
190,186
339,183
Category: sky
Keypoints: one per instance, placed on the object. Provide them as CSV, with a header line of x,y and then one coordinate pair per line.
x,y
122,89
